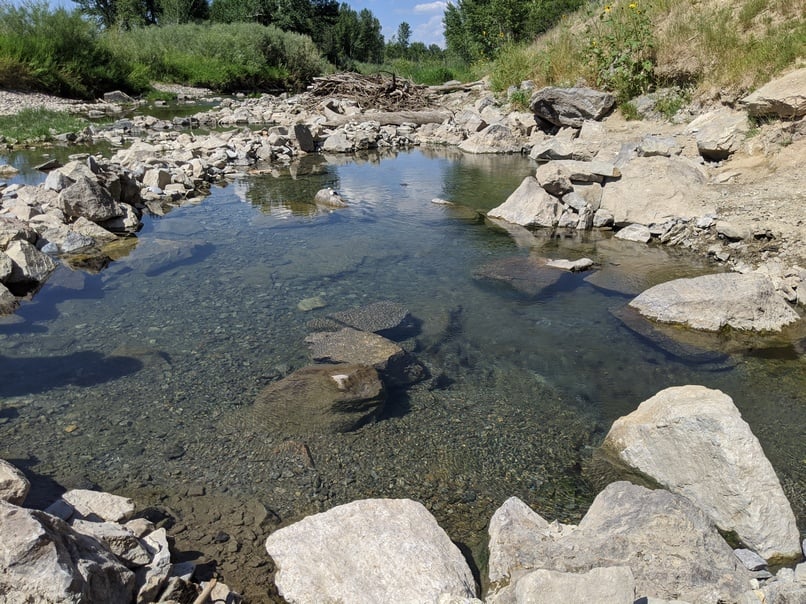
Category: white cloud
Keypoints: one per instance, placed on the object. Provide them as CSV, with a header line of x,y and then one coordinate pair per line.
x,y
431,7
430,32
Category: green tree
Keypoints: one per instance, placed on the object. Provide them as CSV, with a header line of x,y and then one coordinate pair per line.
x,y
403,35
183,11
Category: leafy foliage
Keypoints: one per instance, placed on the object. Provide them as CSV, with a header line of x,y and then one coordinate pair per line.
x,y
38,124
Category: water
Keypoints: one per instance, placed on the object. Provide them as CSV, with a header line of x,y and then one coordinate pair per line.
x,y
140,379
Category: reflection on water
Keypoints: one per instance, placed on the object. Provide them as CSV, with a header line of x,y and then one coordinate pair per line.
x,y
157,365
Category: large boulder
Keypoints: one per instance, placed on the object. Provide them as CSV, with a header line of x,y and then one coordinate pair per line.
x,y
85,197
607,585
784,97
654,190
42,559
719,133
321,399
670,545
29,264
571,106
368,551
711,302
694,442
530,206
495,138
14,486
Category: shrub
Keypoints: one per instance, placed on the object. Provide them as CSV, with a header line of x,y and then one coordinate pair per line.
x,y
39,124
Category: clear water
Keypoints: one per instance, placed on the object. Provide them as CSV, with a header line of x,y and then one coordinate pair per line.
x,y
141,378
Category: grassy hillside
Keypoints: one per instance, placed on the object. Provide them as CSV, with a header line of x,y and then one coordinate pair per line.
x,y
710,47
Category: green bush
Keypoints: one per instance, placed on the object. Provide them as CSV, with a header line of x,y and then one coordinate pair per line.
x,y
429,72
38,124
59,52
222,56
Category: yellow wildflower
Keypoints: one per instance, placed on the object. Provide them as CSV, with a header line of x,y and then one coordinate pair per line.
x,y
607,8
633,5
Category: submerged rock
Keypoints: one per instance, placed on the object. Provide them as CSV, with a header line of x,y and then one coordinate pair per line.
x,y
694,442
369,551
528,275
378,316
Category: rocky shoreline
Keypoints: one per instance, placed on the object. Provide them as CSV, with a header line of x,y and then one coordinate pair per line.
x,y
710,184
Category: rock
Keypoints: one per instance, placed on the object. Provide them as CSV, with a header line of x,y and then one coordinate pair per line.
x,y
157,177
120,541
43,560
711,302
529,205
634,232
369,551
304,138
329,198
117,96
653,190
693,441
8,301
587,171
151,578
6,267
353,346
526,274
376,317
14,486
338,143
29,264
571,106
580,264
605,585
719,133
784,97
669,544
312,303
321,399
553,148
554,178
95,505
665,146
56,181
603,218
495,138
750,559
127,222
87,198
732,231
87,228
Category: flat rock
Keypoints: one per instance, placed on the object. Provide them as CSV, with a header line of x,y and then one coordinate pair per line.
x,y
574,266
369,551
94,505
321,399
378,316
635,232
495,138
694,442
571,106
526,274
719,133
711,302
530,206
784,97
14,486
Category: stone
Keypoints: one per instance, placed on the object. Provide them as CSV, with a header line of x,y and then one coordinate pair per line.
x,y
580,264
94,231
653,190
719,133
329,198
750,559
304,138
56,181
575,201
93,505
669,544
127,222
603,218
571,106
665,146
6,267
87,198
588,171
14,486
321,399
42,559
338,143
693,441
554,178
634,232
604,585
712,302
8,301
552,148
121,541
495,138
376,317
528,275
157,177
28,263
117,96
369,551
784,97
312,303
530,206
151,578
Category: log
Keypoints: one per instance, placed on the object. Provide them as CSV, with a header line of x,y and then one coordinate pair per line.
x,y
446,88
392,118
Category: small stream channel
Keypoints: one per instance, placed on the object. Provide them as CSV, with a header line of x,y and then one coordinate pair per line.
x,y
141,378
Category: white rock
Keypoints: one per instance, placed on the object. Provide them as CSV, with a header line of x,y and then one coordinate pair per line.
x,y
368,551
693,441
605,585
529,205
635,232
95,504
14,486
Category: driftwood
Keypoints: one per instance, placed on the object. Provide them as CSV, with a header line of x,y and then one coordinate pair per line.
x,y
385,118
446,88
379,91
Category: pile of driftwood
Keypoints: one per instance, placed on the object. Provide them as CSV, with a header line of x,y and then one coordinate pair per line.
x,y
382,91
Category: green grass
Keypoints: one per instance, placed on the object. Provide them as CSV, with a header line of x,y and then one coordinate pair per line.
x,y
38,124
429,72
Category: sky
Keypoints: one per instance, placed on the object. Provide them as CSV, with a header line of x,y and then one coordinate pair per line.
x,y
424,17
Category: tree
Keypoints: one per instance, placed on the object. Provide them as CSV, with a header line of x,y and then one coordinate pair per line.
x,y
183,11
403,35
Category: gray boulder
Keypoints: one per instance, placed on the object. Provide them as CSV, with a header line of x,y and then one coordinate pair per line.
x,y
6,267
369,551
29,264
719,133
635,232
587,171
14,486
121,541
784,97
495,138
571,106
151,578
655,189
85,197
8,301
529,205
338,143
694,442
669,544
606,585
329,198
42,559
304,138
711,302
554,178
321,399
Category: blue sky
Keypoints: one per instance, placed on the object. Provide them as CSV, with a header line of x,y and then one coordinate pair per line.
x,y
424,16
